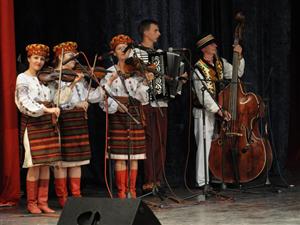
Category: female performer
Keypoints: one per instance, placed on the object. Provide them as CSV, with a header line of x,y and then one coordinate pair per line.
x,y
126,137
75,145
39,135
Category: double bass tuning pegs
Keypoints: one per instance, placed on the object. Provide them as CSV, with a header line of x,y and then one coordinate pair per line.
x,y
239,17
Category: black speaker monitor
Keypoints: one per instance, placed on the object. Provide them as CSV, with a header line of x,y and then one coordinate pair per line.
x,y
106,211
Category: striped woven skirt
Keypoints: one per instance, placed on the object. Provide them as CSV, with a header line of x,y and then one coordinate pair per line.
x,y
43,139
75,144
126,138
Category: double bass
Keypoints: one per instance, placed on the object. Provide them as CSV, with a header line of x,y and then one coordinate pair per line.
x,y
238,153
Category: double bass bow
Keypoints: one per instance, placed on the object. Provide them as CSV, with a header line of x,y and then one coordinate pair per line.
x,y
239,154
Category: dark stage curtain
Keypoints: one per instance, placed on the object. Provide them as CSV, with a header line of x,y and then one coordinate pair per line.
x,y
268,54
9,148
93,23
294,144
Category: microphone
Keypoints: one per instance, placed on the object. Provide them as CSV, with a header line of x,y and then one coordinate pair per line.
x,y
129,46
171,49
75,56
105,55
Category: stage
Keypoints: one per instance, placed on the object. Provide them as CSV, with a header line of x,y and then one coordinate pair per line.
x,y
271,204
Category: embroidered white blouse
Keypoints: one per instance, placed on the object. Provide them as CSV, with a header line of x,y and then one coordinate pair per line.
x,y
30,93
134,86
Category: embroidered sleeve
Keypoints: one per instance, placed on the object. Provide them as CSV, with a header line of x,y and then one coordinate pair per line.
x,y
64,96
142,93
131,85
228,68
111,107
104,81
95,94
208,102
25,103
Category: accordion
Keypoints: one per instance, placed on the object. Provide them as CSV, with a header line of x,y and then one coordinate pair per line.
x,y
169,66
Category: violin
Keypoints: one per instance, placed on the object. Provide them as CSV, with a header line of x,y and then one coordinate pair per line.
x,y
50,74
135,64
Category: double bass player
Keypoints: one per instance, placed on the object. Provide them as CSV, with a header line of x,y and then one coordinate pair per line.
x,y
209,71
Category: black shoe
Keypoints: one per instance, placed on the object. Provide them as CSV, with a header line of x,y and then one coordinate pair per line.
x,y
161,190
199,187
146,191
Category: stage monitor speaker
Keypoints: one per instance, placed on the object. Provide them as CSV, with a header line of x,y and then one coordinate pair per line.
x,y
106,211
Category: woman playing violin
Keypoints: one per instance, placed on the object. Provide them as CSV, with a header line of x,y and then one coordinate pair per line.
x,y
38,136
73,127
126,138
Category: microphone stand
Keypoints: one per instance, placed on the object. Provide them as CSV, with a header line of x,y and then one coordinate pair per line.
x,y
204,132
137,112
124,108
155,189
266,134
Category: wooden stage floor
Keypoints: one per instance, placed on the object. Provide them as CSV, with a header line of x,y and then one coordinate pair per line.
x,y
262,205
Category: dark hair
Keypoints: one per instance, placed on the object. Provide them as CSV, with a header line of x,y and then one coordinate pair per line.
x,y
55,62
145,25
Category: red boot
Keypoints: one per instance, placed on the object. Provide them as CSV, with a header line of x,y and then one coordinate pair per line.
x,y
61,190
121,183
32,191
43,196
75,186
132,189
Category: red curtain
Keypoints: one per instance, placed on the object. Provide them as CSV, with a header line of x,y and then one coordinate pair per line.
x,y
9,146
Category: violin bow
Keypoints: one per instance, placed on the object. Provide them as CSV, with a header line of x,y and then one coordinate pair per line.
x,y
92,71
58,96
59,80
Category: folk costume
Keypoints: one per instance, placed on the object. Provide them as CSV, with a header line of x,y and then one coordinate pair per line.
x,y
39,137
75,146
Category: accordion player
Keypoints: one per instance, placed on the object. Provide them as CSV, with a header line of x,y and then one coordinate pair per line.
x,y
169,66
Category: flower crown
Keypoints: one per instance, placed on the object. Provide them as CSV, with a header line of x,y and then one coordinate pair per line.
x,y
37,49
68,46
120,39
